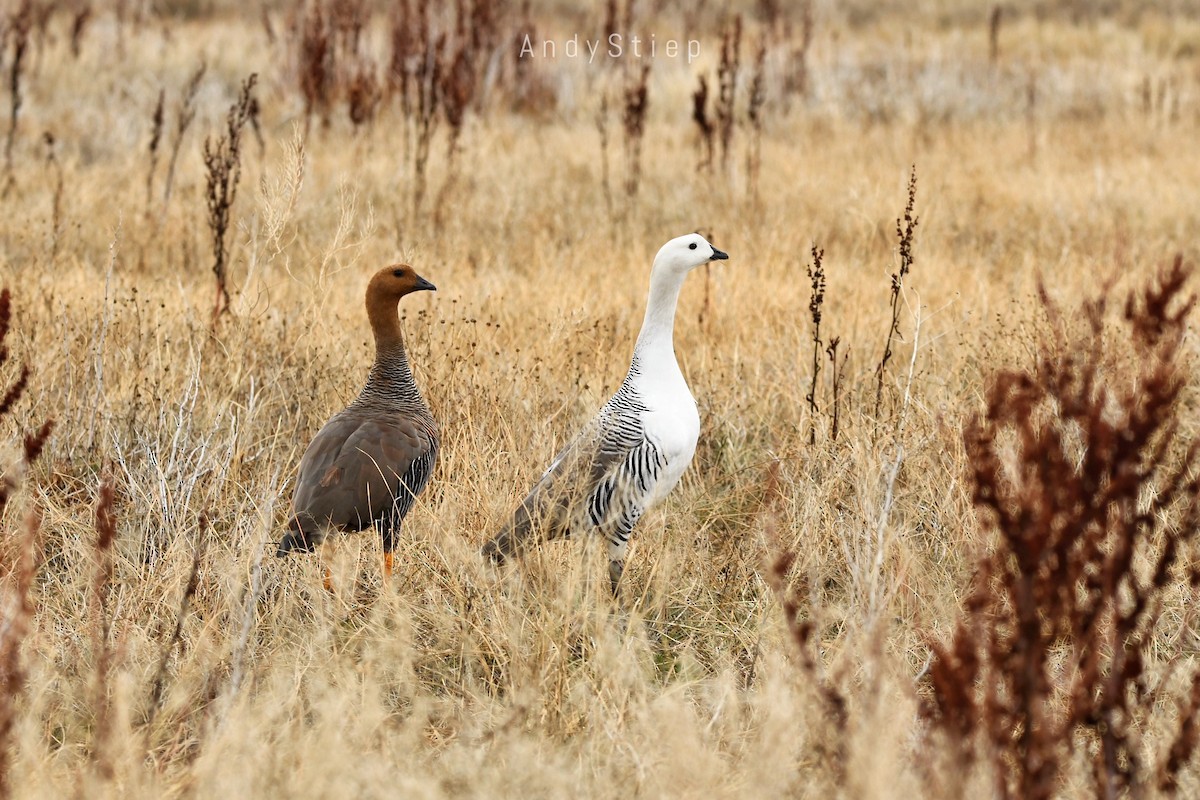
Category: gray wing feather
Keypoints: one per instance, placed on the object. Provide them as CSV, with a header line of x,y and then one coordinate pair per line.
x,y
599,480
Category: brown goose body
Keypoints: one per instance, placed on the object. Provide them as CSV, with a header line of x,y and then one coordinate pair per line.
x,y
368,463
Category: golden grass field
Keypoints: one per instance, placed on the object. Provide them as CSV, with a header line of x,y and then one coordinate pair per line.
x,y
1069,159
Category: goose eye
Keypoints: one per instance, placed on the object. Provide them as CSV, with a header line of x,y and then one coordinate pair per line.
x,y
692,246
398,273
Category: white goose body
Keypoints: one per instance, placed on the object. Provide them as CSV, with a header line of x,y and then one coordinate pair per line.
x,y
635,450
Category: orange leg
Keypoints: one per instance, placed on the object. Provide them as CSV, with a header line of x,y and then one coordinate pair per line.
x,y
328,581
387,565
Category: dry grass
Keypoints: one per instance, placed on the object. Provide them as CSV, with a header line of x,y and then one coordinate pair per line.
x,y
1060,149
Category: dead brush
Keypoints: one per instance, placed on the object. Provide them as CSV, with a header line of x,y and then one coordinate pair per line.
x,y
458,86
42,14
406,29
797,79
522,68
327,40
353,70
223,165
19,573
363,94
316,65
415,76
1090,490
19,558
437,70
831,741
347,21
462,77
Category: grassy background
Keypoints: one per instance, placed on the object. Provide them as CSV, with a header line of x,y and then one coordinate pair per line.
x,y
1070,159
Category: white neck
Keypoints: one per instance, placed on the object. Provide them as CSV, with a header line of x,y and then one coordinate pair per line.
x,y
655,346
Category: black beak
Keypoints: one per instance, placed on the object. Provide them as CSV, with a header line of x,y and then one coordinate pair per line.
x,y
424,284
718,255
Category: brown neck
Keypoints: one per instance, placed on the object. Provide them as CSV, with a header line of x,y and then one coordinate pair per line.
x,y
385,322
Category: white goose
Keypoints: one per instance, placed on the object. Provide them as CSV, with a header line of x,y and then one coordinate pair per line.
x,y
632,453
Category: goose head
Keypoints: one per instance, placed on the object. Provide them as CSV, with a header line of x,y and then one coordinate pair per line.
x,y
684,253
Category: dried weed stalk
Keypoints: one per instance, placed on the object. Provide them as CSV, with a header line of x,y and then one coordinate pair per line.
x,y
103,651
33,442
20,23
816,275
754,116
56,199
79,20
222,161
158,686
17,569
994,34
427,79
1091,489
727,78
906,234
633,119
707,129
797,78
610,24
156,129
347,21
17,610
605,171
837,376
185,112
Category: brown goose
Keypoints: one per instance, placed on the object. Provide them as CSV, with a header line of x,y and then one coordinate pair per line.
x,y
367,465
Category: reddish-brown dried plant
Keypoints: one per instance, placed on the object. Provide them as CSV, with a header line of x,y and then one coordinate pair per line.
x,y
1091,493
